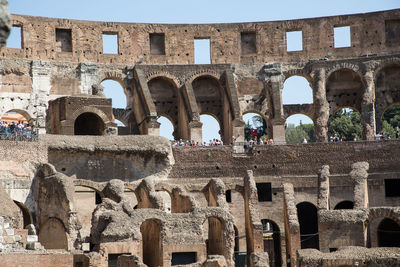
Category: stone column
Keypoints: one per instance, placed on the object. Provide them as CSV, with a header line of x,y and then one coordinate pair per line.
x,y
359,175
89,75
41,86
321,106
196,131
368,107
278,121
323,188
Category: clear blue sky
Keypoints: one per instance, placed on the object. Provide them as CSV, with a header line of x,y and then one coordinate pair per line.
x,y
205,11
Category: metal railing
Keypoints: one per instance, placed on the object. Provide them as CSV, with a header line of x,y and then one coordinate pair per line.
x,y
19,134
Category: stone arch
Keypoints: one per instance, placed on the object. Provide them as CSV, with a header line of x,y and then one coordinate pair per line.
x,y
152,247
344,88
88,124
388,233
196,75
90,184
272,242
294,112
298,72
375,217
264,123
53,234
221,234
308,220
94,110
26,214
387,90
212,99
164,75
24,113
171,120
117,76
383,64
345,65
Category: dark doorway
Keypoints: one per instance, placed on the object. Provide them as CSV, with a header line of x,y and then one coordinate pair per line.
x,y
216,240
88,124
272,242
388,233
152,245
344,205
182,258
308,220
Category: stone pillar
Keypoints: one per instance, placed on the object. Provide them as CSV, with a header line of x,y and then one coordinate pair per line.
x,y
292,226
368,107
321,106
153,126
359,175
89,75
278,121
323,188
41,85
196,131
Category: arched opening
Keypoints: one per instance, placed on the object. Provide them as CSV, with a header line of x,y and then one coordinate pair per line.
x,y
164,94
114,90
345,125
387,94
210,129
85,199
345,205
390,122
272,242
299,129
255,127
17,123
211,100
26,214
152,243
166,197
166,128
388,233
216,239
52,235
297,90
344,88
308,220
88,124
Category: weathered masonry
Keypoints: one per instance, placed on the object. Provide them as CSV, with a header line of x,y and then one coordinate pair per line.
x,y
250,62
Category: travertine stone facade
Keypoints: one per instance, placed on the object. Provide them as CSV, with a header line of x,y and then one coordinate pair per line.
x,y
249,66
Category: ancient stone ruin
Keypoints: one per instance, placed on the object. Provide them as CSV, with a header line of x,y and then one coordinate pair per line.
x,y
92,193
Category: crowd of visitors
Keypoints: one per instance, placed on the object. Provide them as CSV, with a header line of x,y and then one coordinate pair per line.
x,y
17,130
186,143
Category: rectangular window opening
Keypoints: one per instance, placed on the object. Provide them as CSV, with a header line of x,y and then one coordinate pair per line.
x,y
342,37
294,41
182,258
15,38
392,187
113,259
157,43
248,43
264,192
64,40
202,52
392,31
110,43
228,196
